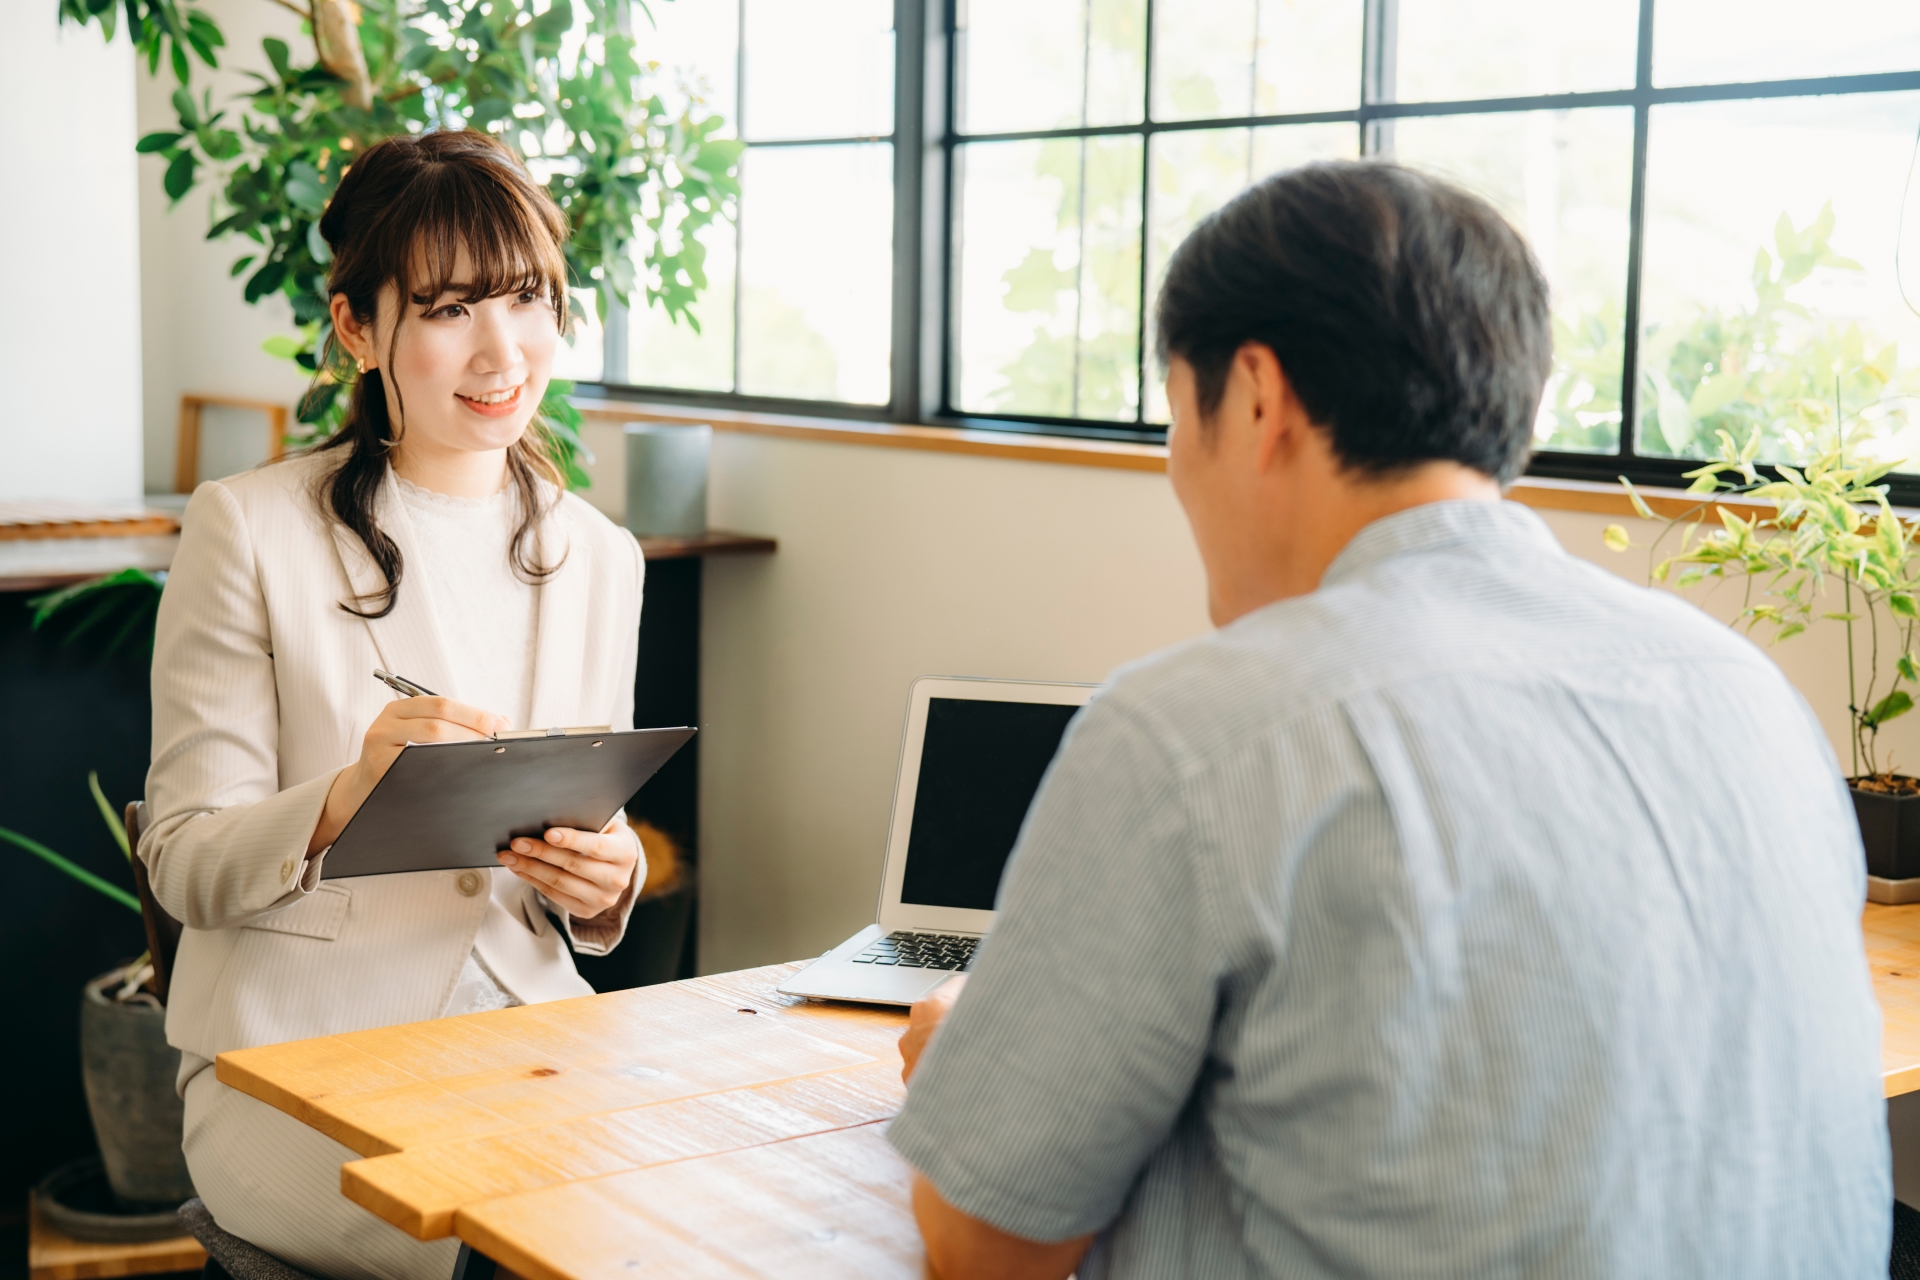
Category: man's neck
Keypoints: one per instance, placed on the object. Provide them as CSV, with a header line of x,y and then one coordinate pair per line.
x,y
1322,518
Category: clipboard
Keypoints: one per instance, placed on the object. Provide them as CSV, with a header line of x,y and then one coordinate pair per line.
x,y
446,805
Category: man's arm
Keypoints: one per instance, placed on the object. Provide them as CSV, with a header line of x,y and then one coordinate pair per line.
x,y
961,1247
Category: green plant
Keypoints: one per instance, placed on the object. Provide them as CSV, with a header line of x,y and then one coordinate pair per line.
x,y
115,611
562,82
1831,524
78,872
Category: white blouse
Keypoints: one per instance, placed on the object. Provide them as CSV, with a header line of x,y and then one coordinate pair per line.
x,y
489,621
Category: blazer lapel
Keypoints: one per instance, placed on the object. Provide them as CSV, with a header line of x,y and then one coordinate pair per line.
x,y
407,639
560,644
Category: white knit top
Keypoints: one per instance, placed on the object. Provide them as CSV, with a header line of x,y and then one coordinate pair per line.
x,y
488,621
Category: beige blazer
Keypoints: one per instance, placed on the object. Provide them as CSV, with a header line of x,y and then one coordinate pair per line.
x,y
262,690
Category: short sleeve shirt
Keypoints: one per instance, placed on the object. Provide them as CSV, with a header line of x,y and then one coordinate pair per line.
x,y
1478,914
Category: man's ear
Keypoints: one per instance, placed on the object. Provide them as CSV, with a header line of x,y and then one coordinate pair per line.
x,y
1277,414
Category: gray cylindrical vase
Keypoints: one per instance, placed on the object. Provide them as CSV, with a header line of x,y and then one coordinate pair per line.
x,y
129,1069
667,479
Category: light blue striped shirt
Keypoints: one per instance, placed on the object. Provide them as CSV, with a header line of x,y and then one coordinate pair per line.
x,y
1478,914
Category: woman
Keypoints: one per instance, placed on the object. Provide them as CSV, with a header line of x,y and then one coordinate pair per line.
x,y
428,538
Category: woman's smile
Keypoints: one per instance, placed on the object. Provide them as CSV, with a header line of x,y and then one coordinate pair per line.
x,y
493,404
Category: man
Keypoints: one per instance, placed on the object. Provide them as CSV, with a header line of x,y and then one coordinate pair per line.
x,y
1455,909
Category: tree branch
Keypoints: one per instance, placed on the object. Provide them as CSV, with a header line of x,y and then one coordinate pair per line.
x,y
291,7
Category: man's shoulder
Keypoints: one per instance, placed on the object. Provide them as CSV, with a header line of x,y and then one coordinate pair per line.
x,y
1296,660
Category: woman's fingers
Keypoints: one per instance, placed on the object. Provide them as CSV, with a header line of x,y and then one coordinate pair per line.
x,y
591,868
477,721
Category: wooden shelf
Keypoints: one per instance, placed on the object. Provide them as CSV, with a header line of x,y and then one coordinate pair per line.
x,y
33,521
712,543
55,1255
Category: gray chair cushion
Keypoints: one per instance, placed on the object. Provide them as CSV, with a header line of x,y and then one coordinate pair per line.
x,y
235,1256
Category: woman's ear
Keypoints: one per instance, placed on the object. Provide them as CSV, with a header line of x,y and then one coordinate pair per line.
x,y
357,338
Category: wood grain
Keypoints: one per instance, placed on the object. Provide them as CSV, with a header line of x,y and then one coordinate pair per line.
x,y
36,521
1893,955
54,1255
829,1205
454,1079
420,1189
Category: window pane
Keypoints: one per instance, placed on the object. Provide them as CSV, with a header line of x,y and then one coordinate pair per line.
x,y
696,44
1048,283
582,354
1727,41
1197,171
661,353
817,68
1463,49
1051,64
1216,58
1562,178
816,267
1772,229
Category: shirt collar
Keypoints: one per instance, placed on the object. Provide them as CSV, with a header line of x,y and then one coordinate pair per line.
x,y
1437,525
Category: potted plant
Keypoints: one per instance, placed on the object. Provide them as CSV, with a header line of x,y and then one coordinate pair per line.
x,y
1833,551
128,1070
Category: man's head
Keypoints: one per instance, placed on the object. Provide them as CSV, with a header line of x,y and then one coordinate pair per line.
x,y
1408,315
1342,341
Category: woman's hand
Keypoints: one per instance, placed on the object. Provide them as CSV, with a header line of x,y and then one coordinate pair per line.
x,y
582,872
401,721
924,1019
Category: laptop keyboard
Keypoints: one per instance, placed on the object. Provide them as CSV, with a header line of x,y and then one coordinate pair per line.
x,y
920,951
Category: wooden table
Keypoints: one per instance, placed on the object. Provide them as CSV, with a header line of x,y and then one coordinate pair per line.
x,y
702,1128
1893,954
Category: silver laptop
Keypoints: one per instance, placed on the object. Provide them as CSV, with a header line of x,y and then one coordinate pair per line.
x,y
972,758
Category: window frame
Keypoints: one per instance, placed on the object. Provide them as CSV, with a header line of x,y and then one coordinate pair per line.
x,y
926,149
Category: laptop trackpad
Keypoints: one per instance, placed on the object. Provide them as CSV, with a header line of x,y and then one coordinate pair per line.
x,y
835,979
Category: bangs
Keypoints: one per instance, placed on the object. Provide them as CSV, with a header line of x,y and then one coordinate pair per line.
x,y
510,234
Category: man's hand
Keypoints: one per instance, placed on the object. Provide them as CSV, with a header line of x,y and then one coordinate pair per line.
x,y
924,1019
582,872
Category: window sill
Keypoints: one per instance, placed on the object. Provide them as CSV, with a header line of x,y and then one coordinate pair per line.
x,y
1533,491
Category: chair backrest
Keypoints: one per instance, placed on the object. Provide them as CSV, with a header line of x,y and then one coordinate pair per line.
x,y
163,931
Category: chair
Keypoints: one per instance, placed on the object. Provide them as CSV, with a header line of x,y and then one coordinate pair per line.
x,y
163,931
229,1255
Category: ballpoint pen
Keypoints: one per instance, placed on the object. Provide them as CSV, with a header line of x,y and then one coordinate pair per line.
x,y
403,686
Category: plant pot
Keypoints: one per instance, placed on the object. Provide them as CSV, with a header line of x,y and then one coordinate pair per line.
x,y
129,1070
75,1199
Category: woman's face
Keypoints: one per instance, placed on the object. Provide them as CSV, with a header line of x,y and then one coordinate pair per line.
x,y
463,377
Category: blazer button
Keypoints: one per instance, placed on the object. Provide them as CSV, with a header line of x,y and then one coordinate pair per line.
x,y
286,870
468,883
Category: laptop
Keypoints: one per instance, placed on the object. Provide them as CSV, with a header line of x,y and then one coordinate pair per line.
x,y
970,763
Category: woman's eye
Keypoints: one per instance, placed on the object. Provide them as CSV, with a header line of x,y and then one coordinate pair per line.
x,y
452,311
530,296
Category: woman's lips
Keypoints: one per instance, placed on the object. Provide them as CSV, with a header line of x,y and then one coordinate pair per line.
x,y
496,409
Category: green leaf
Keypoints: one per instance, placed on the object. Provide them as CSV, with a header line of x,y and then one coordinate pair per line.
x,y
1895,704
1616,538
1639,503
79,873
157,142
281,347
179,177
276,51
114,822
1908,670
1903,604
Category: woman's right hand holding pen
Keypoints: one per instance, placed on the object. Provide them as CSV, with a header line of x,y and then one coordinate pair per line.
x,y
401,721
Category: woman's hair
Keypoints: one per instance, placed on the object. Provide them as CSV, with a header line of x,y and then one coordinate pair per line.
x,y
401,216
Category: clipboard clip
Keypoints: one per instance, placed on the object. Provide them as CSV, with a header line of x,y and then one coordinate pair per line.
x,y
576,731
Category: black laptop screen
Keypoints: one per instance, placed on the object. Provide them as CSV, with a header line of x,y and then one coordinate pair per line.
x,y
980,764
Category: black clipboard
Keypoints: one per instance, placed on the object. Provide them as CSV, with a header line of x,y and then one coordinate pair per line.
x,y
444,805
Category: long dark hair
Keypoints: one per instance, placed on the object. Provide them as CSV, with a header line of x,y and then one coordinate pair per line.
x,y
403,213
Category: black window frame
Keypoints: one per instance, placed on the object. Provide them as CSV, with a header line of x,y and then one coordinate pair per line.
x,y
926,148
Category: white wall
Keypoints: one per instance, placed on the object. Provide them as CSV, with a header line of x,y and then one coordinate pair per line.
x,y
70,330
201,336
894,564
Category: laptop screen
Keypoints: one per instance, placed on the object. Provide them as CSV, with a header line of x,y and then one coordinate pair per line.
x,y
980,764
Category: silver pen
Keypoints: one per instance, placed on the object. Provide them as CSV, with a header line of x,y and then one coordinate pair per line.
x,y
403,686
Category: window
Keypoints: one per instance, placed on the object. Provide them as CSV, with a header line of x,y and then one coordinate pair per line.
x,y
1718,191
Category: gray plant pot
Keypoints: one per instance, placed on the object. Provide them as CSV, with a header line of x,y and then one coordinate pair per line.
x,y
129,1069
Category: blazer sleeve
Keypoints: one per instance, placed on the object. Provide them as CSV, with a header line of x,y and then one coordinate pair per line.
x,y
600,934
224,844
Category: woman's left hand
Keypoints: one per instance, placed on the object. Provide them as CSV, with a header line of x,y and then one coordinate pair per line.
x,y
582,872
